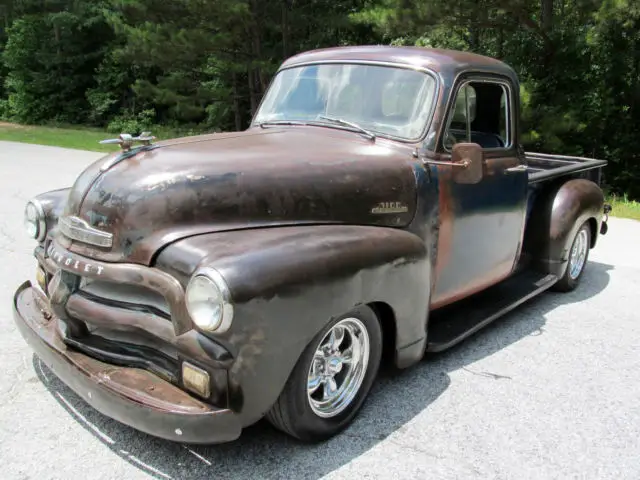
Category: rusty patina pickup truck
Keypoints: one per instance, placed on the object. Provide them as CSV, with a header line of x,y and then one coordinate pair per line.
x,y
378,207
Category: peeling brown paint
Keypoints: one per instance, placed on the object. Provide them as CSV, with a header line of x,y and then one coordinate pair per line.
x,y
259,178
446,218
358,222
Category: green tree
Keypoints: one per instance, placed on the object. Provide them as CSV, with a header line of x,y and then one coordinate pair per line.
x,y
51,54
6,15
204,65
578,62
209,63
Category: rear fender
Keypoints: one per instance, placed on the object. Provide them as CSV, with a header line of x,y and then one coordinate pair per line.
x,y
287,283
558,212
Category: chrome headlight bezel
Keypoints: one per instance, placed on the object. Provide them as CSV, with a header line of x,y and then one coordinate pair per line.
x,y
40,221
217,282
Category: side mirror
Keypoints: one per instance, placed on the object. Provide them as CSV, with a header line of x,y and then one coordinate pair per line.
x,y
467,162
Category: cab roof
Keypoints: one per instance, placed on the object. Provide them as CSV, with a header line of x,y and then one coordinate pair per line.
x,y
446,62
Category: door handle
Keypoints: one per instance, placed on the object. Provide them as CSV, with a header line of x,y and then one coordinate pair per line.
x,y
519,168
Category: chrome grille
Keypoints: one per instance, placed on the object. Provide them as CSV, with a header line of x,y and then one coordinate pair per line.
x,y
125,296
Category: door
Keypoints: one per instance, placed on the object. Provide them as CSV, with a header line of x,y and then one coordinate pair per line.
x,y
481,225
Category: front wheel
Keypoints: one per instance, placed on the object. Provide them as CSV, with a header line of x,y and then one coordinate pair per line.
x,y
578,256
331,379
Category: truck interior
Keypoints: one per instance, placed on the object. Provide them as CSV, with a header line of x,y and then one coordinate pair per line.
x,y
480,116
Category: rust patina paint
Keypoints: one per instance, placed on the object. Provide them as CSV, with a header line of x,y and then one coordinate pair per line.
x,y
263,177
447,214
304,223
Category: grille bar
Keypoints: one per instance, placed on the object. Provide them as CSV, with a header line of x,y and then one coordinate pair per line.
x,y
136,307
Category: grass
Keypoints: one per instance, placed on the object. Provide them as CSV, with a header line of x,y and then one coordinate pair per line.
x,y
623,207
80,138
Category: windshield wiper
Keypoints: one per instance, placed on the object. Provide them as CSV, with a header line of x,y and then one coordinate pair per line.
x,y
355,126
281,122
337,121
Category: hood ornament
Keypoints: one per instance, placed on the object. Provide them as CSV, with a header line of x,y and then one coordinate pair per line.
x,y
126,140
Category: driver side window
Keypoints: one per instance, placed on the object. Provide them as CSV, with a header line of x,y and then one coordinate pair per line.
x,y
480,114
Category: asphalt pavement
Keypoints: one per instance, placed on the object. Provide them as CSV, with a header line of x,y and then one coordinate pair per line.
x,y
550,391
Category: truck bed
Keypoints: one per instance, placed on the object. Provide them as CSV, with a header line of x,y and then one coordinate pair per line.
x,y
542,166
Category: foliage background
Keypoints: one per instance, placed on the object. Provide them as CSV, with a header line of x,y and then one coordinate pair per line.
x,y
203,65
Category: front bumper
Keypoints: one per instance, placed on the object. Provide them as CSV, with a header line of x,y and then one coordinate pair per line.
x,y
132,396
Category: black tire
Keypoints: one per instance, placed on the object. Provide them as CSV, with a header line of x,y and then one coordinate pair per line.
x,y
292,412
568,283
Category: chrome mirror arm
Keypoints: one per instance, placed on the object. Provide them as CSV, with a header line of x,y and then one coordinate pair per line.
x,y
462,164
426,161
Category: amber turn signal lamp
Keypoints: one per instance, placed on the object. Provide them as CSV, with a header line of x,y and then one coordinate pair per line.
x,y
196,379
41,278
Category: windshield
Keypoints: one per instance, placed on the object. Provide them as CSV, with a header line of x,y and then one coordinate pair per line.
x,y
385,100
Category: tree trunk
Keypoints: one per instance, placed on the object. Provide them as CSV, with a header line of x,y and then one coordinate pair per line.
x,y
546,15
285,29
474,37
56,35
236,103
252,90
256,44
474,28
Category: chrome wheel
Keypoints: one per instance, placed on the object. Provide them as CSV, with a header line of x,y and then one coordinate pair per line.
x,y
338,368
578,254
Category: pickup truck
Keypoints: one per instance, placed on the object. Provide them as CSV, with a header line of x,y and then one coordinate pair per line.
x,y
378,207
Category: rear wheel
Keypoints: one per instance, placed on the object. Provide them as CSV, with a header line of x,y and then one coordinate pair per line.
x,y
578,256
331,379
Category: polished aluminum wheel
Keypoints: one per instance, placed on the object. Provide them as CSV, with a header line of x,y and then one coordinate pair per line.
x,y
338,368
578,254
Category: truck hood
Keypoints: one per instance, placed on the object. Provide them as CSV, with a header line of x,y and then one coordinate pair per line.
x,y
148,198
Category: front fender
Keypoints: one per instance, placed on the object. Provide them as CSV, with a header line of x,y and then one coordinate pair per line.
x,y
559,211
288,282
53,203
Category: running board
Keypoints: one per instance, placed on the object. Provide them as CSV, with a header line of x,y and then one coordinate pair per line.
x,y
452,324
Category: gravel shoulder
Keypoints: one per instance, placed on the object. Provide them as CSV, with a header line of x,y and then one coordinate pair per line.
x,y
549,391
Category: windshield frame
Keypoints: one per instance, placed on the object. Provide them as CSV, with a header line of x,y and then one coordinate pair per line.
x,y
406,66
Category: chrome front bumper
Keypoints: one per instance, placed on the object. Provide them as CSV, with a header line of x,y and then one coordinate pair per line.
x,y
132,396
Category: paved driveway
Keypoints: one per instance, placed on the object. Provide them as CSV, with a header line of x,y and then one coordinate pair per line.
x,y
550,391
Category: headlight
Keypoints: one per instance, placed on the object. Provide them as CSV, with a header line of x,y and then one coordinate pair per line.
x,y
34,220
209,301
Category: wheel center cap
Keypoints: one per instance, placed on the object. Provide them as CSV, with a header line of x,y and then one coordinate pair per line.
x,y
334,365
